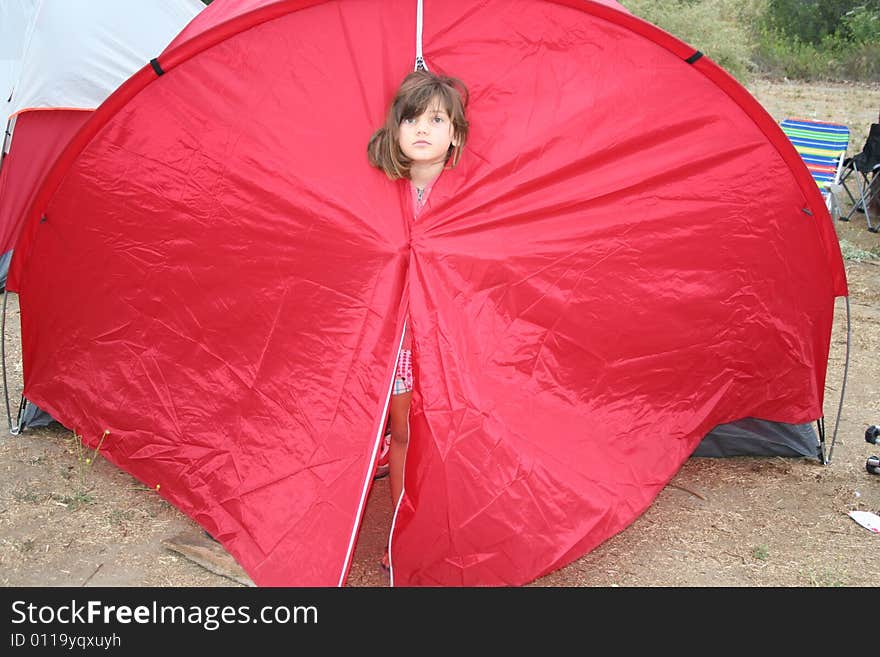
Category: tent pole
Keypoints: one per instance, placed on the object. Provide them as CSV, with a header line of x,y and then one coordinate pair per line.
x,y
3,358
842,386
22,407
4,146
7,139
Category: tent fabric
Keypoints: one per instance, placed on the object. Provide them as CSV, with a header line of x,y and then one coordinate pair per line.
x,y
231,11
75,54
754,437
32,416
15,18
577,329
60,58
39,139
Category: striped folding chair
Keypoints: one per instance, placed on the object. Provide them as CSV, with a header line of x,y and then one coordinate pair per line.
x,y
822,146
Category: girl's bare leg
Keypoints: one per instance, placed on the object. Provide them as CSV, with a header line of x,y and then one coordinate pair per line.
x,y
399,412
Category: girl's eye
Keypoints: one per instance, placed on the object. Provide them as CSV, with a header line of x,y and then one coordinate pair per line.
x,y
438,119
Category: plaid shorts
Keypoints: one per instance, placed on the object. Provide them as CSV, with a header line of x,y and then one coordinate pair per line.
x,y
403,377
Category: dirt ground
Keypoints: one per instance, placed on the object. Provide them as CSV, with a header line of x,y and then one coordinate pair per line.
x,y
753,522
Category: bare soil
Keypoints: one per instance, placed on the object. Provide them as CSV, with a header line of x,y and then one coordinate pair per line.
x,y
754,522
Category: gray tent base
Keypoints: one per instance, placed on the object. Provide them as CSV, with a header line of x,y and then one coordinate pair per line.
x,y
32,416
753,437
746,437
5,259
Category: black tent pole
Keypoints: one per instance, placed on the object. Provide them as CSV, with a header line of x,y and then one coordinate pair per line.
x,y
3,358
7,138
4,146
842,386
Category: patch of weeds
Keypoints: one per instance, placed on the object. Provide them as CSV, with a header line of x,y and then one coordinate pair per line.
x,y
24,495
760,552
82,498
26,545
37,460
853,253
84,460
76,501
826,579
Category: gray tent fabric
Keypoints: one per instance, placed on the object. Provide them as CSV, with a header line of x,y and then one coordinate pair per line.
x,y
33,416
754,437
5,259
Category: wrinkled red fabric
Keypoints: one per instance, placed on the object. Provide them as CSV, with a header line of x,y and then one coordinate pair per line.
x,y
627,256
40,135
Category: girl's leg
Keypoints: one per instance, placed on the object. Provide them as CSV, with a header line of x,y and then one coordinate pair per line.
x,y
398,414
399,411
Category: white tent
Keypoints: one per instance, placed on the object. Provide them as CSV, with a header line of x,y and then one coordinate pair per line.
x,y
16,20
74,53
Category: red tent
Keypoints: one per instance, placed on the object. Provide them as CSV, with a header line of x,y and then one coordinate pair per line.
x,y
629,254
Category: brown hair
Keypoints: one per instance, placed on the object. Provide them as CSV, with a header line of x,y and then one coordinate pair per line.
x,y
416,91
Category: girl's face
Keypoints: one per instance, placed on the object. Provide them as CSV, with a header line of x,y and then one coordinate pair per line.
x,y
425,139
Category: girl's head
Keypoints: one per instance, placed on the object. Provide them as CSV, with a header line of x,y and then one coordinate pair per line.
x,y
423,99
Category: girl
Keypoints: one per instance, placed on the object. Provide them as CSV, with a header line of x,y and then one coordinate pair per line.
x,y
424,131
